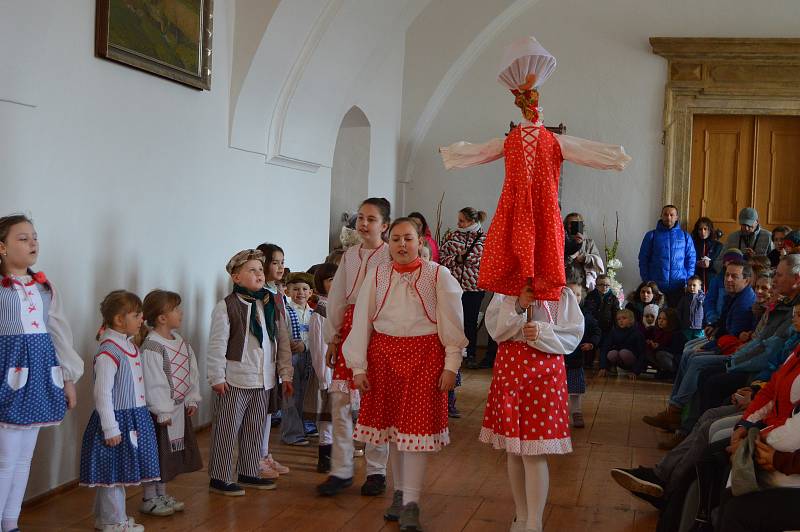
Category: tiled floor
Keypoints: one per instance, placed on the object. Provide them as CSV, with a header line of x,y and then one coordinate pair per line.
x,y
466,487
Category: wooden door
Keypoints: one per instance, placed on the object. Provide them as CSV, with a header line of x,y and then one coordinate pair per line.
x,y
722,169
745,161
778,171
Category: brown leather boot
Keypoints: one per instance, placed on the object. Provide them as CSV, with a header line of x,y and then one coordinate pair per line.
x,y
669,419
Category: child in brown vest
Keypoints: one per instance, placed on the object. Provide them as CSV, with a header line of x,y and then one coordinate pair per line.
x,y
248,335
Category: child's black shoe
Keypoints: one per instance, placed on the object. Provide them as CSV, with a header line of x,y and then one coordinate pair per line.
x,y
257,483
375,485
224,488
333,485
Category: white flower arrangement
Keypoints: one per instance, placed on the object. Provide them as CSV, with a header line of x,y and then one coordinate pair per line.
x,y
612,262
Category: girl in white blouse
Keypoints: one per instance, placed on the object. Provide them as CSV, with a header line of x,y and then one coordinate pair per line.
x,y
526,411
405,349
38,362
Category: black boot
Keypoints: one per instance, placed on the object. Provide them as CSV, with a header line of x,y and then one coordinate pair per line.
x,y
324,460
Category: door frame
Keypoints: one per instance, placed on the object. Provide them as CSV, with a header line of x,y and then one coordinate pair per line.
x,y
720,76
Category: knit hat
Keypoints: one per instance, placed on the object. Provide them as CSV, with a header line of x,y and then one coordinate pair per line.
x,y
650,310
243,256
792,239
301,277
748,216
732,254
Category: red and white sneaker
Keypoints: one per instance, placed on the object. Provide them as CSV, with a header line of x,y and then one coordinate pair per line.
x,y
270,468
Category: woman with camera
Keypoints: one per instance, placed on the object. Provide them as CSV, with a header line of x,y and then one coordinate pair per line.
x,y
461,252
582,259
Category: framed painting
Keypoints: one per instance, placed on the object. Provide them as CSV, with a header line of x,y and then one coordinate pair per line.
x,y
168,38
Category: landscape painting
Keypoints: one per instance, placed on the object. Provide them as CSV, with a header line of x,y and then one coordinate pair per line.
x,y
170,38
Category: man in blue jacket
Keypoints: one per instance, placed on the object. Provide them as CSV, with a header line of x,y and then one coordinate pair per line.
x,y
667,256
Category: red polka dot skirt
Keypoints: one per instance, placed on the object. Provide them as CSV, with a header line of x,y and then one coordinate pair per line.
x,y
404,405
527,411
342,379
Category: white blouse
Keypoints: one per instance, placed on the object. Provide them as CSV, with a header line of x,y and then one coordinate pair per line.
x,y
341,285
105,369
318,349
559,333
403,315
157,386
576,150
59,330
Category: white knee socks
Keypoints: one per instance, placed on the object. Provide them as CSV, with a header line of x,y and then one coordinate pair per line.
x,y
16,451
408,473
529,481
265,441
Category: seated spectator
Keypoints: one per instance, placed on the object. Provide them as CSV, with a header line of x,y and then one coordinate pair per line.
x,y
751,238
715,295
707,249
665,343
582,259
737,316
667,256
425,231
601,303
647,293
762,287
791,243
760,265
623,347
649,318
778,251
690,309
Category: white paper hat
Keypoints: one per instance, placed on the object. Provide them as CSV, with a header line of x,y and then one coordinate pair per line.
x,y
523,57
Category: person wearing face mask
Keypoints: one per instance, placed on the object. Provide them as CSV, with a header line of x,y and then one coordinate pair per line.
x,y
667,256
751,238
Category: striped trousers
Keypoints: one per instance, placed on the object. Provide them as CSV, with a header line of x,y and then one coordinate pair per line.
x,y
239,417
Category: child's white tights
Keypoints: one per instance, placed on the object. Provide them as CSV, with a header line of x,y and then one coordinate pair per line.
x,y
265,441
16,451
408,473
109,506
151,490
575,403
529,484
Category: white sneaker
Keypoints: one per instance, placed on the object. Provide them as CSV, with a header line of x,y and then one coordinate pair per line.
x,y
130,522
173,503
128,526
156,506
273,464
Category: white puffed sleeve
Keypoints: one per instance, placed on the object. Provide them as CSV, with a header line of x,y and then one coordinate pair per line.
x,y
355,347
156,385
565,334
465,154
450,319
218,344
318,349
61,335
193,398
105,368
593,154
337,302
503,319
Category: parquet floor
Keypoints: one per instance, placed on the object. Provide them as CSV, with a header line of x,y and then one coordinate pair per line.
x,y
465,490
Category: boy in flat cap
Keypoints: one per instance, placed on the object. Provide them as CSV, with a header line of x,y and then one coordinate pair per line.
x,y
298,289
248,336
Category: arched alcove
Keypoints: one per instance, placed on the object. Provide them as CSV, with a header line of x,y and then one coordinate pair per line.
x,y
350,170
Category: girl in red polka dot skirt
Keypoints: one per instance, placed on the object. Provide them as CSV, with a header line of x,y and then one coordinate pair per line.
x,y
526,412
373,220
405,349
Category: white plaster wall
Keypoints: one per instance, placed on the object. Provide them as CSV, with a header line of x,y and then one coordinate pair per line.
x,y
608,86
349,173
132,184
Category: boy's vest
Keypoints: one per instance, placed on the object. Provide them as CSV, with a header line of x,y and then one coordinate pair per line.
x,y
237,317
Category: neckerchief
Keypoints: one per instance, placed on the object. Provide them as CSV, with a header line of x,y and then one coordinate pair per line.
x,y
264,296
405,268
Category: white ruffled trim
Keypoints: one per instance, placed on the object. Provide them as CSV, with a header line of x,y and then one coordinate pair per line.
x,y
15,426
405,442
111,485
525,447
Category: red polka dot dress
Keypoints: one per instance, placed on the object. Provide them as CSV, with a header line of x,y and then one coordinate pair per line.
x,y
527,407
526,237
407,329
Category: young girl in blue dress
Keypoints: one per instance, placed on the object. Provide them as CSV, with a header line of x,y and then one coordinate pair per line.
x,y
119,445
38,363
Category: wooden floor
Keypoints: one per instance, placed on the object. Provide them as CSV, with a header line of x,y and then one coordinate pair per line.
x,y
465,489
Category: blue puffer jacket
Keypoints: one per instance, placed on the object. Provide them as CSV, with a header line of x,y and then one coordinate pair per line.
x,y
667,257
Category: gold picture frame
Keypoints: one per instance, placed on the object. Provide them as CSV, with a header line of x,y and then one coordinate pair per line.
x,y
168,38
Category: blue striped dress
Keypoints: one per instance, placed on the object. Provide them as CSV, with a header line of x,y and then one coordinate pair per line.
x,y
32,391
135,459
